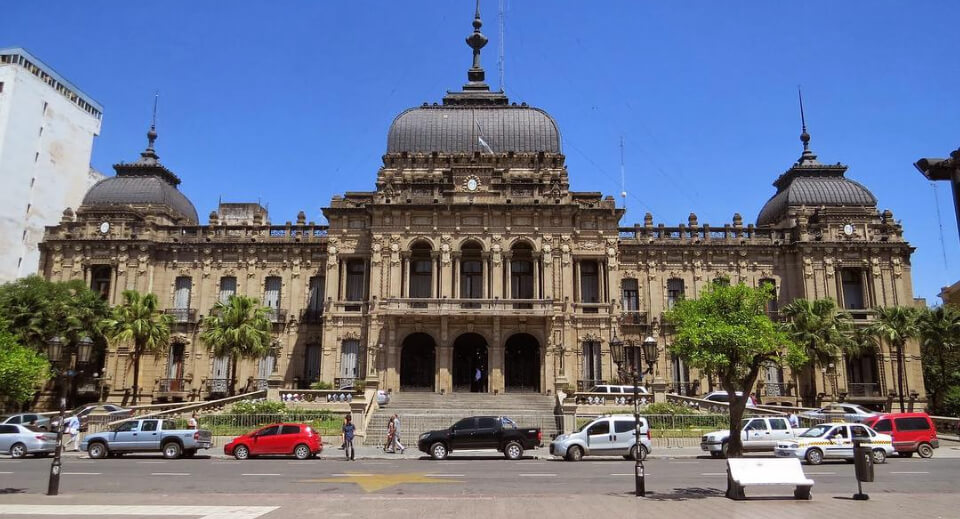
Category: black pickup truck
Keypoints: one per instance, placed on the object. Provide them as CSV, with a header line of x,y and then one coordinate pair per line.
x,y
481,432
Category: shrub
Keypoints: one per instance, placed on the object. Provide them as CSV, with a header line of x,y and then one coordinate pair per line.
x,y
261,407
321,385
665,408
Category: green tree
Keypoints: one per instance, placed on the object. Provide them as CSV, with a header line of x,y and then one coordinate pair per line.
x,y
727,333
896,325
238,328
138,321
23,371
37,310
940,354
822,330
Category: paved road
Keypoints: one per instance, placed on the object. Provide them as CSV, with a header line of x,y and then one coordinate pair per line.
x,y
457,476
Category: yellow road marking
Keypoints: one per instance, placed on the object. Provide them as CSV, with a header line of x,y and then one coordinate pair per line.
x,y
374,482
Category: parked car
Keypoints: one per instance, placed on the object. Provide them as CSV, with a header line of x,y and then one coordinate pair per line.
x,y
911,432
20,440
721,396
147,435
840,413
296,439
97,412
622,393
33,419
835,440
757,434
481,432
613,435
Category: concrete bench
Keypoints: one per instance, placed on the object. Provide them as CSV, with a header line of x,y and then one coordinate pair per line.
x,y
744,472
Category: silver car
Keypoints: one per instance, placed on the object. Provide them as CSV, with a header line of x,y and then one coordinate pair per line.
x,y
20,440
840,412
34,419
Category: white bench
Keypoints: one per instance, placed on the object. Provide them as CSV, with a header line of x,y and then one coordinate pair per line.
x,y
744,472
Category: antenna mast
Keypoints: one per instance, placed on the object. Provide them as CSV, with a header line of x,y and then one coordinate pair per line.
x,y
623,181
500,58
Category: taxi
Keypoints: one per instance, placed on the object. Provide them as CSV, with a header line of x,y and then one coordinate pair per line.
x,y
833,441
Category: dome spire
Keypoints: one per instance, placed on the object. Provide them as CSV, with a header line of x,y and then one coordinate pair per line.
x,y
476,41
807,157
149,156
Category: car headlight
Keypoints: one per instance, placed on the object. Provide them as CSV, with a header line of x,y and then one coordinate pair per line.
x,y
424,436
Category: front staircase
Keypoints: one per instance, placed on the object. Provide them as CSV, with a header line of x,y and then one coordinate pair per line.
x,y
422,412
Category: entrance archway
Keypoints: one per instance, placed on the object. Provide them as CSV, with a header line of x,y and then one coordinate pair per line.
x,y
521,363
469,357
418,363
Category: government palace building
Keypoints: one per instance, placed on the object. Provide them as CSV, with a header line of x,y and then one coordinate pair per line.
x,y
471,255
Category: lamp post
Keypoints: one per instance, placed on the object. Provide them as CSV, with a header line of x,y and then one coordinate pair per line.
x,y
634,372
54,352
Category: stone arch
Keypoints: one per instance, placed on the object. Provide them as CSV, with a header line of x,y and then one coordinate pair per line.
x,y
521,243
522,363
471,243
418,362
470,363
421,241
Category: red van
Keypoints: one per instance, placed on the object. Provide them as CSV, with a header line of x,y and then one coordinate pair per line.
x,y
912,432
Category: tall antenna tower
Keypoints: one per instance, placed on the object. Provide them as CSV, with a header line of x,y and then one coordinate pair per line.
x,y
623,178
500,46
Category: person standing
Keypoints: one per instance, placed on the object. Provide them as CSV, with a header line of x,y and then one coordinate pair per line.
x,y
192,421
348,431
794,420
72,427
396,434
388,445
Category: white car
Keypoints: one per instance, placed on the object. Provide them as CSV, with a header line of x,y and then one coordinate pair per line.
x,y
721,396
621,394
613,435
840,412
833,441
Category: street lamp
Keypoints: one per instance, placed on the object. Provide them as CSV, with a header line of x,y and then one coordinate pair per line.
x,y
634,372
944,169
54,351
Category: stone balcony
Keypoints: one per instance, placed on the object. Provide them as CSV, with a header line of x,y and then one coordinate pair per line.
x,y
416,306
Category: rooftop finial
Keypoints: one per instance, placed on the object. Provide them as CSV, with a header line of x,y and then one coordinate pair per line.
x,y
476,41
807,157
152,133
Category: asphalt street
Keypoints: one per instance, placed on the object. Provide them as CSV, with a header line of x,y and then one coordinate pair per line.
x,y
457,476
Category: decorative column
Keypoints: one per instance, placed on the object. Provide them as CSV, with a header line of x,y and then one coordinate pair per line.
x,y
508,280
434,274
536,277
456,276
485,276
405,281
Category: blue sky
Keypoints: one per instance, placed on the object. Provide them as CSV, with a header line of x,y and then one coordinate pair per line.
x,y
289,102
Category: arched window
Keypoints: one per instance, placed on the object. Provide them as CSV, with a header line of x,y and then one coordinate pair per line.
x,y
471,272
674,291
772,306
421,271
521,272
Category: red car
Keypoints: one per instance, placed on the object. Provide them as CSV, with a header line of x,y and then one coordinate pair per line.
x,y
298,439
912,432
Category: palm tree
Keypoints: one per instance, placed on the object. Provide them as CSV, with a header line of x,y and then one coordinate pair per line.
x,y
138,321
239,328
821,328
940,350
896,325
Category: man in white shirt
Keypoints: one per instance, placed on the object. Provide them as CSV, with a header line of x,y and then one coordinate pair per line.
x,y
72,427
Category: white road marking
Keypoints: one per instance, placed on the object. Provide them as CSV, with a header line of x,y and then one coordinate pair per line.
x,y
444,475
685,462
536,475
204,512
6,472
713,473
169,473
629,474
261,474
82,473
909,472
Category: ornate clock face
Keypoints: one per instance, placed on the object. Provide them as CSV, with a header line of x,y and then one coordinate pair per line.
x,y
104,227
848,229
472,184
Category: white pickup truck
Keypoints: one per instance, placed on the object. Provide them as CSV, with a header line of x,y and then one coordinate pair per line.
x,y
757,434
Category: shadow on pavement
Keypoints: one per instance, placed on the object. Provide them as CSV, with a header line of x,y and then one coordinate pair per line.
x,y
682,494
12,490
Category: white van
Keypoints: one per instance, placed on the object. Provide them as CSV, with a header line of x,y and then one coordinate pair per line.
x,y
611,435
621,394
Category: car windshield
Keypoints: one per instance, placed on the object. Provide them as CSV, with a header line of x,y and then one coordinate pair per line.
x,y
816,431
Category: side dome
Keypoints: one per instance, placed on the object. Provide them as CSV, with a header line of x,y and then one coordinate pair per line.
x,y
458,129
140,191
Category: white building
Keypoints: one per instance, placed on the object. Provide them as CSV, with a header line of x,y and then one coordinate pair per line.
x,y
47,127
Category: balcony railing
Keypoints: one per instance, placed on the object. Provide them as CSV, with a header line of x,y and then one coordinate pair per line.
x,y
259,384
861,314
774,389
182,315
277,315
171,385
466,306
218,386
863,389
312,316
592,308
634,318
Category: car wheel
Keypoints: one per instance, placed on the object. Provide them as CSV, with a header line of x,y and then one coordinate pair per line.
x,y
814,456
172,450
925,450
574,453
438,451
879,456
241,452
302,452
908,454
97,450
724,447
18,450
513,451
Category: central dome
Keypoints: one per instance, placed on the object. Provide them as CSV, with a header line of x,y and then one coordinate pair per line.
x,y
459,128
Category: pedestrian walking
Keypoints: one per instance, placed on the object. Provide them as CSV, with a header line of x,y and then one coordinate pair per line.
x,y
391,431
794,420
72,426
192,421
348,431
397,446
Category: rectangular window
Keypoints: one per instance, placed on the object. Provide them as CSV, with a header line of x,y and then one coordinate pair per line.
x,y
311,368
355,280
592,364
631,296
290,429
349,353
228,287
912,424
778,424
315,297
521,279
420,278
271,292
674,291
267,366
851,281
772,303
589,282
181,294
471,280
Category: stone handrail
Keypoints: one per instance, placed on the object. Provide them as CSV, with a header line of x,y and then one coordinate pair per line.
x,y
721,407
406,306
196,406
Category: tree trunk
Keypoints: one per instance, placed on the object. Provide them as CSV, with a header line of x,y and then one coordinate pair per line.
x,y
900,366
233,375
136,372
738,405
813,386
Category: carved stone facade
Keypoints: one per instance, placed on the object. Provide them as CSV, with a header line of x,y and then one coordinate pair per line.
x,y
473,267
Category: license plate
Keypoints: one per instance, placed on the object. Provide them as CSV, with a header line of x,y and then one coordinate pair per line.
x,y
704,447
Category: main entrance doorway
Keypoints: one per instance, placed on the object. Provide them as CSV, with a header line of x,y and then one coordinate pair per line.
x,y
418,363
470,363
521,363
